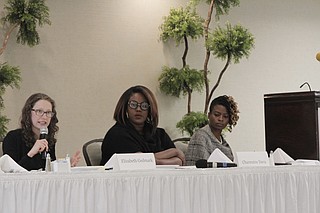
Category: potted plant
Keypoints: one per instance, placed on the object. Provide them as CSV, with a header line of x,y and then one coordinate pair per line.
x,y
24,15
230,44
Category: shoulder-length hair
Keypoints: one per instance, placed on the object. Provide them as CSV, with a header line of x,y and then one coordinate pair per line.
x,y
120,112
26,122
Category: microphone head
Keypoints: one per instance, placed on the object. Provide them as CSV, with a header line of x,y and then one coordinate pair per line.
x,y
303,84
202,163
43,130
318,56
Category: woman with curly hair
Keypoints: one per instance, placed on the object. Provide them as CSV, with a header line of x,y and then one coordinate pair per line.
x,y
24,144
223,113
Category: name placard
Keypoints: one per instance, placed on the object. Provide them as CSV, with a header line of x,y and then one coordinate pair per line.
x,y
252,159
61,165
132,161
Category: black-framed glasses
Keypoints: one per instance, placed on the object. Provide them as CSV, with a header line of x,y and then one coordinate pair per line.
x,y
143,105
40,112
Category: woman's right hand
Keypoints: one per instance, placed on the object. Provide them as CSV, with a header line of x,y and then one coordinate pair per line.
x,y
170,156
38,147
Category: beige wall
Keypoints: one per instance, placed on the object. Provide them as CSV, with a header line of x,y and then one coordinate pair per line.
x,y
96,49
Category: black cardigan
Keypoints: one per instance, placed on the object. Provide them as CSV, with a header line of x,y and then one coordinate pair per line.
x,y
16,148
125,139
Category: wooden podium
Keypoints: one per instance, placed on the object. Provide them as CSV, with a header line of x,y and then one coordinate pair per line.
x,y
292,123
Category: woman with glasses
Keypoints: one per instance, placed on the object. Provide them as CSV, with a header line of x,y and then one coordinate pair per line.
x,y
24,145
136,129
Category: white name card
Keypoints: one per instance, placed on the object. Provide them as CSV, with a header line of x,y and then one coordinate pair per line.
x,y
61,165
132,161
252,159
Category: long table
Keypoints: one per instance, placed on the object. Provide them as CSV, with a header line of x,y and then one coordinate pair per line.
x,y
281,189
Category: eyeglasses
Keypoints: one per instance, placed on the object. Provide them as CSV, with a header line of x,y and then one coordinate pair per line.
x,y
134,105
40,112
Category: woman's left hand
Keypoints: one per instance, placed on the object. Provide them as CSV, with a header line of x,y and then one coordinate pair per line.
x,y
75,159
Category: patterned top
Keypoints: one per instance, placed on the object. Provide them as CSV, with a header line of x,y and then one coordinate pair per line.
x,y
203,143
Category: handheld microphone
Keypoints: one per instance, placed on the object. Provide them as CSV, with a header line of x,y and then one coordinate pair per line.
x,y
202,163
43,135
205,164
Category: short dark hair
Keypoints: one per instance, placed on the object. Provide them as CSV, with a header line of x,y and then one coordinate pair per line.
x,y
26,122
120,112
231,106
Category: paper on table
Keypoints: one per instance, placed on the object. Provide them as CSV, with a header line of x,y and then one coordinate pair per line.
x,y
306,162
279,156
167,166
218,156
87,168
8,165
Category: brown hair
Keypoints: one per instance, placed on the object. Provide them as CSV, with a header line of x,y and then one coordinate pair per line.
x,y
26,122
120,112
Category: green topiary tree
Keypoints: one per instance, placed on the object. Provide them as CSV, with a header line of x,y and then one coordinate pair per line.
x,y
230,44
9,76
192,121
181,24
24,15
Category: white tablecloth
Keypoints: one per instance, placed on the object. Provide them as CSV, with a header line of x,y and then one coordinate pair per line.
x,y
291,189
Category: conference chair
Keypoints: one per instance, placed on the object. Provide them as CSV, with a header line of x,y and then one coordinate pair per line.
x,y
1,152
182,144
92,152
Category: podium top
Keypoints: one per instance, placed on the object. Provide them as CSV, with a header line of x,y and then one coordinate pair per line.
x,y
294,96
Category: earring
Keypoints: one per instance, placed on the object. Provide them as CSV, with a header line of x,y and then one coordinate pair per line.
x,y
149,120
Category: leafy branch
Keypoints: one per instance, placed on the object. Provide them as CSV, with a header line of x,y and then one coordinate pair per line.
x,y
231,43
24,15
180,25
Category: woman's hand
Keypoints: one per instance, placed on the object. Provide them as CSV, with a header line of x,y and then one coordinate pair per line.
x,y
38,147
75,159
181,156
170,156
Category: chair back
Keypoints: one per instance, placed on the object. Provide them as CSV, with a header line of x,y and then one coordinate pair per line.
x,y
92,152
182,144
1,151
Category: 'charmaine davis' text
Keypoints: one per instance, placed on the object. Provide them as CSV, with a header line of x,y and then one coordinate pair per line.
x,y
136,160
254,162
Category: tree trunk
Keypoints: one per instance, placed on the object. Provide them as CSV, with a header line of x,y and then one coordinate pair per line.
x,y
6,38
205,67
184,57
220,77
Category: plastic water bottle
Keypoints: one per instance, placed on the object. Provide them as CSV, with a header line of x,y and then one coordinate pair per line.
x,y
271,160
48,163
68,161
